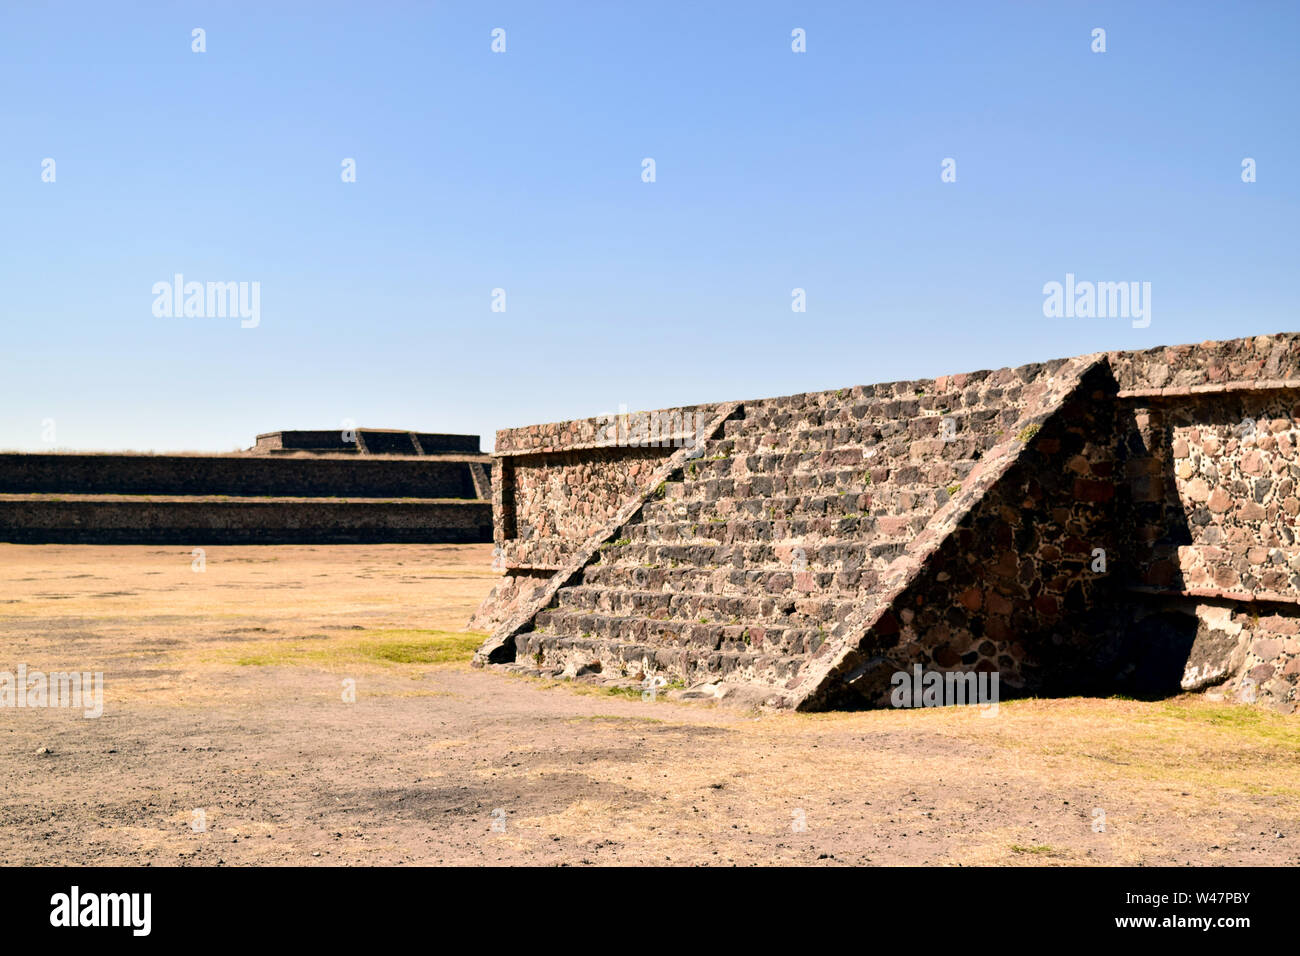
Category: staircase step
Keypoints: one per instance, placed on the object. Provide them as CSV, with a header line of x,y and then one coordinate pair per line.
x,y
914,419
617,658
786,610
885,499
846,555
739,531
845,443
780,580
732,482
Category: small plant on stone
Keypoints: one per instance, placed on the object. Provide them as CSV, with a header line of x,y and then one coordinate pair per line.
x,y
1028,432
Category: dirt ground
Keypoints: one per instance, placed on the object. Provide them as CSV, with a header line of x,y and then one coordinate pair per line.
x,y
226,739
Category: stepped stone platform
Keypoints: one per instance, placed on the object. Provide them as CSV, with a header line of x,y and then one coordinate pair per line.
x,y
364,441
259,496
1116,523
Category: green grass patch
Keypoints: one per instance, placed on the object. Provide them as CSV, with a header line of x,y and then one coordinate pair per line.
x,y
1040,850
399,646
632,692
1237,720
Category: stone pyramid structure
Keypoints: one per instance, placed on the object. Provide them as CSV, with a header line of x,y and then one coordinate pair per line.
x,y
1101,524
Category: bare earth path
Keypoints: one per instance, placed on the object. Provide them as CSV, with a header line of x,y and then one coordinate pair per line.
x,y
224,694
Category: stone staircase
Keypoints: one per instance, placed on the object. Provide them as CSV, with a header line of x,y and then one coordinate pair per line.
x,y
739,566
1120,522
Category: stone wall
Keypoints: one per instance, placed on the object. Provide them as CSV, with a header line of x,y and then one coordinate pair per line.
x,y
560,498
556,484
560,481
195,520
242,498
234,475
1261,361
1212,468
1135,533
1226,502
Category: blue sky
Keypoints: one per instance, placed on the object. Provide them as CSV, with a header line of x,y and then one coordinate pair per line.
x,y
522,171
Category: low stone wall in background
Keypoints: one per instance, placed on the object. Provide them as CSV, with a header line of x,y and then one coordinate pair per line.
x,y
145,519
117,474
248,497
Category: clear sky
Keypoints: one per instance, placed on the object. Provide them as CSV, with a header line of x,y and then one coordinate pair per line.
x,y
522,170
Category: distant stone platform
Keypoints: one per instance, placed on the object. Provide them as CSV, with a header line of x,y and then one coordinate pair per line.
x,y
269,495
365,441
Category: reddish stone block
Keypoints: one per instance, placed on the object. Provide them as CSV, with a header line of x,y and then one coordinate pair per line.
x,y
1093,491
945,656
998,629
997,603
